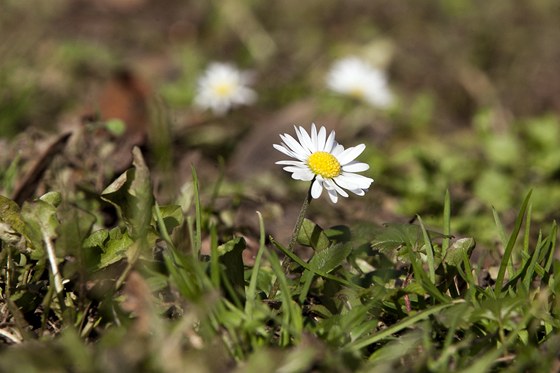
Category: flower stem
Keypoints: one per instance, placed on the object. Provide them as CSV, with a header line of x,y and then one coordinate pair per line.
x,y
293,241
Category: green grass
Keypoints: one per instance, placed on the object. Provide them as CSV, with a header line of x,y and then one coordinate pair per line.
x,y
401,302
449,263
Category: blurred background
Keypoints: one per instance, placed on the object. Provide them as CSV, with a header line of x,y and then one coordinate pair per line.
x,y
476,84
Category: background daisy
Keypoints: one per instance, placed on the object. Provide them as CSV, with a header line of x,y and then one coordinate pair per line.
x,y
222,87
354,77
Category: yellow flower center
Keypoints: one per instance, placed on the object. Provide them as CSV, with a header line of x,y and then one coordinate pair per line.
x,y
324,164
357,92
223,89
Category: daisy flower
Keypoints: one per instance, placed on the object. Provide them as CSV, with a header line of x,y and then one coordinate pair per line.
x,y
354,77
324,161
223,87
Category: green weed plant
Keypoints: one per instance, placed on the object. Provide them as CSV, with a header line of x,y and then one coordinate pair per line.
x,y
399,296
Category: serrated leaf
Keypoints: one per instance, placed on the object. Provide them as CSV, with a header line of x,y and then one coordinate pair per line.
x,y
96,239
312,235
116,247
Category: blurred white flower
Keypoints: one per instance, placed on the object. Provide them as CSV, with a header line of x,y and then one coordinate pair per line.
x,y
323,160
354,77
223,87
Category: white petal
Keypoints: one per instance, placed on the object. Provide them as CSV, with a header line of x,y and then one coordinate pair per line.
x,y
338,149
353,181
359,192
285,150
293,169
330,143
316,189
333,196
295,147
314,137
304,175
292,163
355,167
305,140
331,185
321,139
350,154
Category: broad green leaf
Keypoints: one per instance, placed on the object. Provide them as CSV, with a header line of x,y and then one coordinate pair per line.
x,y
455,252
75,226
116,247
52,198
116,192
328,259
44,215
231,256
11,224
40,221
96,239
131,194
391,238
339,233
172,216
324,261
312,235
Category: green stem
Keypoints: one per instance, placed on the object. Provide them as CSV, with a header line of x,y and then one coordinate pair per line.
x,y
293,241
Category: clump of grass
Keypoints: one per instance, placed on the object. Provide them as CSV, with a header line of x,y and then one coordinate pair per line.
x,y
401,296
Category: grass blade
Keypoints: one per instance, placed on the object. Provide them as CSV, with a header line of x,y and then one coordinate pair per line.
x,y
198,216
251,293
511,243
446,223
429,251
403,324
